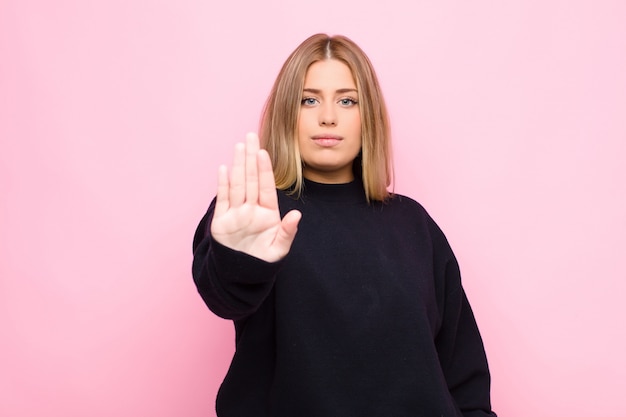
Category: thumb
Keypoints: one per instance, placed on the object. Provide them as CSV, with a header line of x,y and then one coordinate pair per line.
x,y
287,232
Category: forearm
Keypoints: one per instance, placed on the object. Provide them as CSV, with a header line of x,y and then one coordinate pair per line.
x,y
463,358
231,283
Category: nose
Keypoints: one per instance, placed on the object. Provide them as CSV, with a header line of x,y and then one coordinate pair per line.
x,y
328,117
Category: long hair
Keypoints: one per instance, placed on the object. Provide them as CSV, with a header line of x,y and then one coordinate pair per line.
x,y
279,120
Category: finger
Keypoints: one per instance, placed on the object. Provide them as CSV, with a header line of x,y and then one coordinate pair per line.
x,y
252,176
237,185
221,201
287,232
267,185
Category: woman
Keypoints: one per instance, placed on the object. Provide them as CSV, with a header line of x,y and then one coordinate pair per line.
x,y
346,299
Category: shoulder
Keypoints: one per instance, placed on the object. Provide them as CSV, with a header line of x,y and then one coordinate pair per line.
x,y
404,201
404,206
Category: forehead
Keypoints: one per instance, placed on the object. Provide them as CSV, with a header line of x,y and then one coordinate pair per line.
x,y
329,74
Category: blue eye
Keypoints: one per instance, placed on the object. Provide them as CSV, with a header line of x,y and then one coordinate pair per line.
x,y
347,102
308,101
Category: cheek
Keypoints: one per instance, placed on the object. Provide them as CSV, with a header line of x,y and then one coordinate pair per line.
x,y
356,124
304,121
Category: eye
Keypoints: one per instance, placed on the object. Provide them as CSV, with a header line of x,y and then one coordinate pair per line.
x,y
308,101
348,102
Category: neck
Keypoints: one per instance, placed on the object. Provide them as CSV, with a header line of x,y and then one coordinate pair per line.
x,y
329,177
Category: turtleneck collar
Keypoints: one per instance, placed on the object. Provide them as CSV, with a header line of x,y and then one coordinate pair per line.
x,y
351,192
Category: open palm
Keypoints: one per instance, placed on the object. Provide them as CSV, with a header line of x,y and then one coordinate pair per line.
x,y
246,216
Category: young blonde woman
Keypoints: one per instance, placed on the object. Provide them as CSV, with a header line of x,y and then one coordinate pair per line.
x,y
346,298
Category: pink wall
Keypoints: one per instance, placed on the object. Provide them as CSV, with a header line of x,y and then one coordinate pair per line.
x,y
509,124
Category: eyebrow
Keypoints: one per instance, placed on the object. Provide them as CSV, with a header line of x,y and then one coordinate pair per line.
x,y
340,91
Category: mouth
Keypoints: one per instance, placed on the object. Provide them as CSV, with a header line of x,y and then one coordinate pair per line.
x,y
326,140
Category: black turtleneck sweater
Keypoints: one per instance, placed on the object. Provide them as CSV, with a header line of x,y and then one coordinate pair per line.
x,y
365,316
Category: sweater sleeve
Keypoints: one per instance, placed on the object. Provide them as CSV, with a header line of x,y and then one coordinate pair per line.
x,y
233,284
459,344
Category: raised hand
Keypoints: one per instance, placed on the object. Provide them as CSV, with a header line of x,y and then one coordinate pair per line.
x,y
246,216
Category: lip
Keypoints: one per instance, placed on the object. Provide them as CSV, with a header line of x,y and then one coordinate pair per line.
x,y
326,140
326,136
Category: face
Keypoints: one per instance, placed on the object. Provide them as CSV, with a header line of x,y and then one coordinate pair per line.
x,y
329,124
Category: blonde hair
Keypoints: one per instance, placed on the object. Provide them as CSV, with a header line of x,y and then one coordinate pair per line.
x,y
279,120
